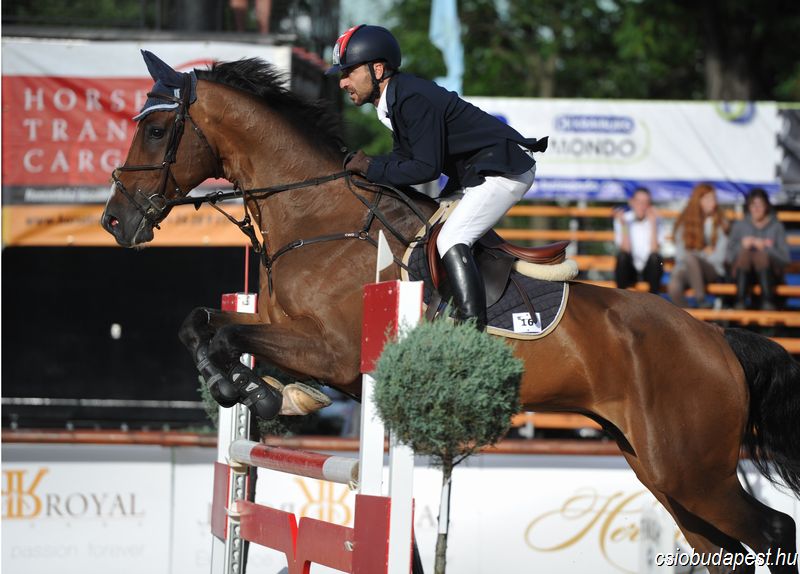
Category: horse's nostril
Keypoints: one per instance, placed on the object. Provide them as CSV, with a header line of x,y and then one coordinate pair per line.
x,y
110,222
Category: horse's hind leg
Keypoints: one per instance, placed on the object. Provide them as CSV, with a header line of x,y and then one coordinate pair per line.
x,y
694,536
723,515
734,512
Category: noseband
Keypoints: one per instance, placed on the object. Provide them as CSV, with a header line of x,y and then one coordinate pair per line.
x,y
152,207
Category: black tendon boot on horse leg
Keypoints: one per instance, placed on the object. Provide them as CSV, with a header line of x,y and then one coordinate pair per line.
x,y
467,285
262,399
240,384
221,389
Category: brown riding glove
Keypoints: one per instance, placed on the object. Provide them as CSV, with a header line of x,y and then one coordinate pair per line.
x,y
359,163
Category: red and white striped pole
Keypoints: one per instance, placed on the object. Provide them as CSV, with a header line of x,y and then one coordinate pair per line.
x,y
339,469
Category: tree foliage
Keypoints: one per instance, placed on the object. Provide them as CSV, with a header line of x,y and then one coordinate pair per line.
x,y
648,49
123,13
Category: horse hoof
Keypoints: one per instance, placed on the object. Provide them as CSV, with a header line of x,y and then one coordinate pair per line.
x,y
300,399
274,383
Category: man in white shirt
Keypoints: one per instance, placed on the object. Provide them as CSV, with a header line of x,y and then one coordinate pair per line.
x,y
637,234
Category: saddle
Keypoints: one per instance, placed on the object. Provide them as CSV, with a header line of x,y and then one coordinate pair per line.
x,y
495,258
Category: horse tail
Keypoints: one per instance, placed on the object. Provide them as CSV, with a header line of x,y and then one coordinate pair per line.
x,y
772,436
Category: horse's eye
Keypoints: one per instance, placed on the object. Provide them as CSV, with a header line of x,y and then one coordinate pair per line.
x,y
157,133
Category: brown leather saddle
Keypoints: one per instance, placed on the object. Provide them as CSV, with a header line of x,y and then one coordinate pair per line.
x,y
495,258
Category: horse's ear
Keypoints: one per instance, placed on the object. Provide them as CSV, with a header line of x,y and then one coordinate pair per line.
x,y
160,70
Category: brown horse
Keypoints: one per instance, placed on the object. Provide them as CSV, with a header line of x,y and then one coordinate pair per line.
x,y
681,397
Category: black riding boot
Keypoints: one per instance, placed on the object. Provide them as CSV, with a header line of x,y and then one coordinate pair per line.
x,y
767,282
469,295
741,290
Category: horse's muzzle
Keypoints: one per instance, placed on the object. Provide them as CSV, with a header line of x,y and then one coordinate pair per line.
x,y
126,233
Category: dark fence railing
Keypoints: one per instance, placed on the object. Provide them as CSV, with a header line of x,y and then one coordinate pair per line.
x,y
313,24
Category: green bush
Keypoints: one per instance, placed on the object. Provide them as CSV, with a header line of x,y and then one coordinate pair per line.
x,y
447,390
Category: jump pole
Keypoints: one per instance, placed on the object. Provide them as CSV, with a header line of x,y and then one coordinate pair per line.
x,y
380,541
230,481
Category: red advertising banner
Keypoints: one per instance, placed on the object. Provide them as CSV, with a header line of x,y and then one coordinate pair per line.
x,y
67,131
66,125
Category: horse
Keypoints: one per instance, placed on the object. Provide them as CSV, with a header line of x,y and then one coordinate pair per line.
x,y
682,398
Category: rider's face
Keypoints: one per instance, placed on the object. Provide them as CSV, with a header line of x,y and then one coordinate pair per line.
x,y
357,82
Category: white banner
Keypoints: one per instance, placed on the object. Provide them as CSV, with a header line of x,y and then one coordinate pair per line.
x,y
82,509
98,59
601,149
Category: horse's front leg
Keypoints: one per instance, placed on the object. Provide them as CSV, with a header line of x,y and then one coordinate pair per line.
x,y
228,381
297,346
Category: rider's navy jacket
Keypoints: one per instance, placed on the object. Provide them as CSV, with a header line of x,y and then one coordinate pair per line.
x,y
436,132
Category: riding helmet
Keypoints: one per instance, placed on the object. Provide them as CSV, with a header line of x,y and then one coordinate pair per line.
x,y
362,44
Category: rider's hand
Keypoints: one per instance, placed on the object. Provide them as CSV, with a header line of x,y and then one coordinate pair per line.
x,y
359,163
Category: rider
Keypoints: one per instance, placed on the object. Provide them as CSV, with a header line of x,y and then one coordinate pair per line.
x,y
437,132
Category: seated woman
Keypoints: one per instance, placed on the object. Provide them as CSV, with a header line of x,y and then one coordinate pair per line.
x,y
758,249
700,237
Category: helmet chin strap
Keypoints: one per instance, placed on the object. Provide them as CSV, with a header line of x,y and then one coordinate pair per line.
x,y
376,89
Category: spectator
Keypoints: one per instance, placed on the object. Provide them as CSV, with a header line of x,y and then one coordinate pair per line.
x,y
263,9
637,234
700,237
758,248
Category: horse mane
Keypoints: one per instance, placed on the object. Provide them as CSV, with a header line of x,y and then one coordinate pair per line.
x,y
312,119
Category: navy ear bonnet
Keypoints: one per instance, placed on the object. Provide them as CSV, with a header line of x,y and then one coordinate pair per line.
x,y
168,82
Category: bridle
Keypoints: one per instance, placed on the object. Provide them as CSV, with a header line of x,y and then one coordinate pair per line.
x,y
153,207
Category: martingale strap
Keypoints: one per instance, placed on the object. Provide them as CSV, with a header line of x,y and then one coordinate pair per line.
x,y
373,213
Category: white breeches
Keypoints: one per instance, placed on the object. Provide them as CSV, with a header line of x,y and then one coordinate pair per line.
x,y
481,208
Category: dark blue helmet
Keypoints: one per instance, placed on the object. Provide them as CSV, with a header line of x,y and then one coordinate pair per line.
x,y
363,43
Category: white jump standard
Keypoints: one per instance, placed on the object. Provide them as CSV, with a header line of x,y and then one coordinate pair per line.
x,y
380,541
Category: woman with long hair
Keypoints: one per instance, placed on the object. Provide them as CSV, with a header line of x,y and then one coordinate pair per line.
x,y
700,236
